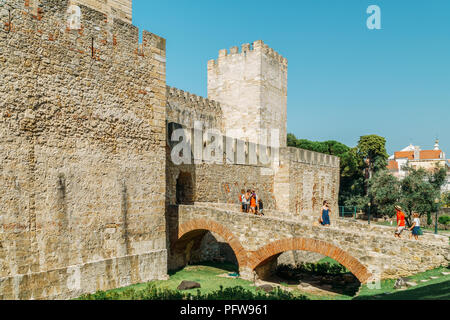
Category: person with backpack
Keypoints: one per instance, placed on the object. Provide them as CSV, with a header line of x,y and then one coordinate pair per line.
x,y
260,207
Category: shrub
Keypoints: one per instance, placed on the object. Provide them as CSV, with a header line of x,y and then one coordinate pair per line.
x,y
321,268
152,293
444,219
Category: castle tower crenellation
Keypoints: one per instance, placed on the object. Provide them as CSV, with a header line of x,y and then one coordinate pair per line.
x,y
255,46
251,85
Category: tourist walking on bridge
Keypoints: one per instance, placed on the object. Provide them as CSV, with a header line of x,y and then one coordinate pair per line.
x,y
415,228
242,201
260,207
253,202
247,201
400,221
325,217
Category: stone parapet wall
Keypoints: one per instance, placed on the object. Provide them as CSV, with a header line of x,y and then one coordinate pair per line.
x,y
311,157
73,281
185,108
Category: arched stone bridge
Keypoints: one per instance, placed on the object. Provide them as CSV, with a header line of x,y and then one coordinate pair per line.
x,y
369,252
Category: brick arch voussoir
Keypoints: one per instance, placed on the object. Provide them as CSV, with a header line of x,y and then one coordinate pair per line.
x,y
264,253
217,228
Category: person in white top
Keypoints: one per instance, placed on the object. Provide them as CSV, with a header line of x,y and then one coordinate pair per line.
x,y
415,228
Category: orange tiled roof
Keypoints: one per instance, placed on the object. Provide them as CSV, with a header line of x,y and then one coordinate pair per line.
x,y
393,165
430,154
424,154
404,154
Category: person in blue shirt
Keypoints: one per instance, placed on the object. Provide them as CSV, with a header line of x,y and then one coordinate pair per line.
x,y
325,217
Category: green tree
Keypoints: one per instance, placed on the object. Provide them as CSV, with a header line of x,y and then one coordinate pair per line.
x,y
291,140
417,193
438,177
351,191
384,191
373,149
331,147
446,199
372,153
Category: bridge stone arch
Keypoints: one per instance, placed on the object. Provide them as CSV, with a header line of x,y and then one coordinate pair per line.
x,y
268,252
194,227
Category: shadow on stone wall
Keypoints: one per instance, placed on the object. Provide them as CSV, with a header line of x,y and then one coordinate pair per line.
x,y
196,246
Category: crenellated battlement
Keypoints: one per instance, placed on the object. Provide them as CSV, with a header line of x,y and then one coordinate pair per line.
x,y
121,9
187,97
185,108
311,157
80,29
247,48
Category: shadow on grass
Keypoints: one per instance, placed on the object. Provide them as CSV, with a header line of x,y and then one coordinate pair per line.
x,y
227,266
438,291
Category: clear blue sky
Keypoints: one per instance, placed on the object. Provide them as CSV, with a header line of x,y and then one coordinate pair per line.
x,y
344,79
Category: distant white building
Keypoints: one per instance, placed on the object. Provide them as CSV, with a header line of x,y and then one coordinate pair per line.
x,y
413,156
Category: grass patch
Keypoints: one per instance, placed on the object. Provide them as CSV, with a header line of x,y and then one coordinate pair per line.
x,y
434,289
207,275
217,288
213,287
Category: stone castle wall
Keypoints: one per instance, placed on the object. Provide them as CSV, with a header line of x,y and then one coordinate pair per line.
x,y
314,178
220,183
121,9
85,169
82,161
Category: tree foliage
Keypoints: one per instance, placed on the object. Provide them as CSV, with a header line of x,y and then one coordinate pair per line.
x,y
415,193
353,182
446,199
365,178
328,147
384,191
373,148
418,193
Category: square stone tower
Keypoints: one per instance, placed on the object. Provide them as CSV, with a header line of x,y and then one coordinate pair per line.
x,y
121,9
251,85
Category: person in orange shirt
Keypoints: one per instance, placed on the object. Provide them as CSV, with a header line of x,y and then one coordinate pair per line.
x,y
400,221
253,204
242,201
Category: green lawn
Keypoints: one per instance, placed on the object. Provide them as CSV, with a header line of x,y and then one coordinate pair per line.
x,y
208,277
206,274
434,289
